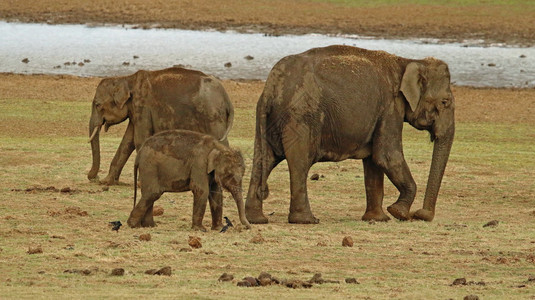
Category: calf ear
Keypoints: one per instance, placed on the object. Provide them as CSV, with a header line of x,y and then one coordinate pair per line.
x,y
121,93
210,160
411,84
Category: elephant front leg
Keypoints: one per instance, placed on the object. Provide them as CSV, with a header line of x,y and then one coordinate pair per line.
x,y
200,198
121,156
297,147
374,181
216,205
398,172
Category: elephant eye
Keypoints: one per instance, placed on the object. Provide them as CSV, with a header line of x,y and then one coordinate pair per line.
x,y
446,102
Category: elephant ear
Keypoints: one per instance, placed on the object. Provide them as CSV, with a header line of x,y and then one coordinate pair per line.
x,y
142,88
211,160
411,84
121,93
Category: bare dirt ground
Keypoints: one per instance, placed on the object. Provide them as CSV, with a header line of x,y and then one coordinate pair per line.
x,y
502,23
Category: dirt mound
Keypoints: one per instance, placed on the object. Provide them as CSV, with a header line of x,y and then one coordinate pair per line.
x,y
195,242
165,271
69,211
265,279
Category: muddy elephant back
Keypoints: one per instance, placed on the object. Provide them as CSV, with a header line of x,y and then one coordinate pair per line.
x,y
214,105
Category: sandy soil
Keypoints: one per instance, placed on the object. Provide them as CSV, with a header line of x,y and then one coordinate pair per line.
x,y
511,24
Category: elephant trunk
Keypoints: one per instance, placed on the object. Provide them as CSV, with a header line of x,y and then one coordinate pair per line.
x,y
441,152
95,123
237,195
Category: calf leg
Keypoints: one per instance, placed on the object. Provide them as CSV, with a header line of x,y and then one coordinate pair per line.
x,y
148,219
216,205
200,198
138,216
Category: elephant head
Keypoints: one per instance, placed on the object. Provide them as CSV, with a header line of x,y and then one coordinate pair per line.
x,y
228,167
430,106
108,108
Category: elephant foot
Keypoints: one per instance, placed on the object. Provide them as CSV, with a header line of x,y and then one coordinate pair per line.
x,y
256,217
399,211
94,178
198,228
424,214
302,218
92,175
109,180
378,216
133,223
217,226
148,223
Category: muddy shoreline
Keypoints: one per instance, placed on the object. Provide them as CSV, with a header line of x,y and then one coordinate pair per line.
x,y
489,23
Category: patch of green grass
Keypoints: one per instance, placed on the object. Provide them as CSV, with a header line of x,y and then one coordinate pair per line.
x,y
429,2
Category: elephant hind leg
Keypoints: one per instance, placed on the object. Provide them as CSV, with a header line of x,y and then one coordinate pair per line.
x,y
148,219
141,215
263,164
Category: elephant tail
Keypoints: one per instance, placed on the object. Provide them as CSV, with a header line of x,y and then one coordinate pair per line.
x,y
136,165
230,120
262,139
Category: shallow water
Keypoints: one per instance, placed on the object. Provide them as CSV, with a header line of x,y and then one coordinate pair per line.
x,y
117,50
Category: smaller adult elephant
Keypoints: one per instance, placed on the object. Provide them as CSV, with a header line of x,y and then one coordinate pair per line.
x,y
341,102
155,101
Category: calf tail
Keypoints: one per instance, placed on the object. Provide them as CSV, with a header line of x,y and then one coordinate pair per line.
x,y
136,165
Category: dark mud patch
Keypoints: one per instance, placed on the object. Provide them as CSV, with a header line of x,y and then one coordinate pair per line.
x,y
165,271
37,249
266,279
462,281
53,189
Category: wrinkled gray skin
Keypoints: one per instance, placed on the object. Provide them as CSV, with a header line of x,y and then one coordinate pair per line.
x,y
183,160
155,101
341,102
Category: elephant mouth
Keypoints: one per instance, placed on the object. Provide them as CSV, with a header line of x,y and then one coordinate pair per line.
x,y
106,126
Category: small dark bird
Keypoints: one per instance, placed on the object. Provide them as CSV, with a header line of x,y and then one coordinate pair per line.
x,y
116,225
224,229
228,222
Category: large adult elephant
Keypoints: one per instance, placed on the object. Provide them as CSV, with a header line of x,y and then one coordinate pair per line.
x,y
155,101
340,102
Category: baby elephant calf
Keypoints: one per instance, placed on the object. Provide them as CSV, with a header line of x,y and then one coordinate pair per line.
x,y
182,160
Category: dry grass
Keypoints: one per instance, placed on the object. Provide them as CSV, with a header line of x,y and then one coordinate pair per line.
x,y
43,133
